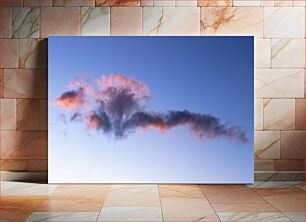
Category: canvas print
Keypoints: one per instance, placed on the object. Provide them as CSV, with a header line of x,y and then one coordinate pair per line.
x,y
151,109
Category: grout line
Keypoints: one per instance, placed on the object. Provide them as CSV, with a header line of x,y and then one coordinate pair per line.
x,y
161,208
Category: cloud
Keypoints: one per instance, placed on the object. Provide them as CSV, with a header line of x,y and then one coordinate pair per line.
x,y
119,110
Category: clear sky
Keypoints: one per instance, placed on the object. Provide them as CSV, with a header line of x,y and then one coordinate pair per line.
x,y
208,75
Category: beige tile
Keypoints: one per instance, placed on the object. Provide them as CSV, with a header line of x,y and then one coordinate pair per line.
x,y
25,22
248,3
278,22
299,3
292,144
212,3
24,145
27,114
25,83
279,114
126,21
5,22
8,114
186,3
182,191
130,214
289,165
133,196
33,53
300,114
263,207
4,3
118,3
304,83
267,3
145,3
171,21
164,3
230,194
279,83
8,53
288,53
1,83
232,21
267,144
253,216
283,3
13,165
37,2
37,165
187,209
262,53
95,21
263,165
43,114
52,16
73,2
258,117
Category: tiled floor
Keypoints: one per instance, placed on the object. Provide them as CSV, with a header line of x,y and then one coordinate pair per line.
x,y
263,201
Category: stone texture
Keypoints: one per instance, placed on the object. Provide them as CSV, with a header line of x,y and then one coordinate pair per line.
x,y
289,165
5,22
13,165
37,2
25,83
163,3
186,3
212,3
8,53
126,21
292,145
37,165
258,114
248,3
25,22
43,116
28,114
51,17
267,145
33,53
279,114
8,114
73,2
4,3
95,21
117,2
300,114
262,53
263,165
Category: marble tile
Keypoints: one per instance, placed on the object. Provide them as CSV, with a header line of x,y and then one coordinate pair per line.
x,y
246,3
18,208
232,21
9,188
262,53
73,2
212,3
278,22
277,184
71,204
278,175
27,114
8,53
186,3
299,3
279,83
25,83
295,216
5,3
283,3
126,21
283,50
37,2
300,114
52,16
292,144
95,21
63,216
43,114
33,53
123,3
164,3
24,145
279,114
5,22
25,22
253,216
183,191
289,165
258,117
267,3
133,196
8,114
130,214
263,207
263,165
187,209
267,145
230,194
171,21
146,3
13,165
37,165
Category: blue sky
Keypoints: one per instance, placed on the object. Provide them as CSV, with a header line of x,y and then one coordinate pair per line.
x,y
209,75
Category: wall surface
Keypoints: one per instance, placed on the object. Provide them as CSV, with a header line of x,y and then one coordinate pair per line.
x,y
278,26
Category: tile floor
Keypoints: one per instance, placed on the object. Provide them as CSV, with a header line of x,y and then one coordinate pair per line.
x,y
263,201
